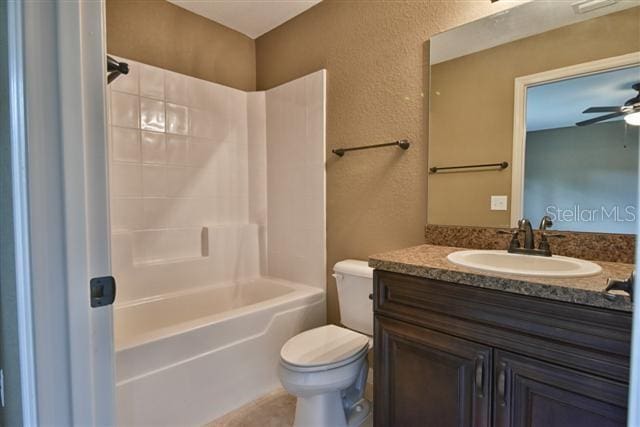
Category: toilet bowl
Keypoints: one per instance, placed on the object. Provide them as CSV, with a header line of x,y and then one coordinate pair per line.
x,y
326,368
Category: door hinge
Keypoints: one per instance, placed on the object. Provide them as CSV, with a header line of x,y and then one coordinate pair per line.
x,y
103,291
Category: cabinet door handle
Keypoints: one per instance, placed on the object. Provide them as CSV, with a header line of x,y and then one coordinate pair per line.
x,y
502,384
480,376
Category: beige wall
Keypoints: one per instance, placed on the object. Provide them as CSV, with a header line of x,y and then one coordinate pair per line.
x,y
158,33
375,61
479,89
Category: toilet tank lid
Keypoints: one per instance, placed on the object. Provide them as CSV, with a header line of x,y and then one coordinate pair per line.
x,y
354,267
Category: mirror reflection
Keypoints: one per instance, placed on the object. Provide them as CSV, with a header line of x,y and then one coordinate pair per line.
x,y
556,99
581,162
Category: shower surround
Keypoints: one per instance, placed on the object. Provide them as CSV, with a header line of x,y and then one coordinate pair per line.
x,y
218,238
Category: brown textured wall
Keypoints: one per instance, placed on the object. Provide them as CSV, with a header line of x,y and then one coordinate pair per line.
x,y
484,83
374,53
159,33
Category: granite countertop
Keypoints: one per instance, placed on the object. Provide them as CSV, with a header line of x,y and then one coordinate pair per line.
x,y
431,262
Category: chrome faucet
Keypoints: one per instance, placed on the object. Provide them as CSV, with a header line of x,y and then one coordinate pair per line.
x,y
529,248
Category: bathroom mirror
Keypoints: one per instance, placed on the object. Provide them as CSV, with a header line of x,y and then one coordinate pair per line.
x,y
505,95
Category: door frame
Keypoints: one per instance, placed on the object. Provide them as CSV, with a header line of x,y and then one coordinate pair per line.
x,y
59,175
520,114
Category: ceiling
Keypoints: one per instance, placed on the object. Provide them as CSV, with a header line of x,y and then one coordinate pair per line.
x,y
253,17
517,20
560,104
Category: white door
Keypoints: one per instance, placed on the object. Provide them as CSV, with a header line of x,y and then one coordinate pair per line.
x,y
57,61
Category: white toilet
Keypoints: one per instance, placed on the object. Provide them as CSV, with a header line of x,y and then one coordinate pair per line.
x,y
326,368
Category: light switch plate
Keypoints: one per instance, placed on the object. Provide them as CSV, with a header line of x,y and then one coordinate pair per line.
x,y
498,203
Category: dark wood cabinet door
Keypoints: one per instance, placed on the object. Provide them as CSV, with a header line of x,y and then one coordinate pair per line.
x,y
531,393
426,378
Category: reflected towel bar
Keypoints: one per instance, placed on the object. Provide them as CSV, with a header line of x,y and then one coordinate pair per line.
x,y
403,143
500,166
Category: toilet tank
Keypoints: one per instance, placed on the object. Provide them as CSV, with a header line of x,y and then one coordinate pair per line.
x,y
354,280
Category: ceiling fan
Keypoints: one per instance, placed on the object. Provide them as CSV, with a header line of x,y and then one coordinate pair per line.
x,y
630,110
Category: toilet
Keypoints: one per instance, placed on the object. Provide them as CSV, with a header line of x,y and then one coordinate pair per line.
x,y
326,368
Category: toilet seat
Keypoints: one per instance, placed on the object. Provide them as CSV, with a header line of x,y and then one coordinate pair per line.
x,y
321,368
323,348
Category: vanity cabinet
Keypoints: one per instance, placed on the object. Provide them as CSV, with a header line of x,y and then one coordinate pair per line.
x,y
529,392
431,376
455,355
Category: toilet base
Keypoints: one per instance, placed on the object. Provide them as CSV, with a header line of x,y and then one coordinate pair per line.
x,y
359,413
326,410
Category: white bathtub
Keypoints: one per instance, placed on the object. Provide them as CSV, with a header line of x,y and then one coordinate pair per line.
x,y
187,358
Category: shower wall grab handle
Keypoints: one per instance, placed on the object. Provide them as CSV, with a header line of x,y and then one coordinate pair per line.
x,y
204,242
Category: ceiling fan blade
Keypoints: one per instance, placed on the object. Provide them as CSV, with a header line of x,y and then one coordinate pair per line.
x,y
602,110
600,119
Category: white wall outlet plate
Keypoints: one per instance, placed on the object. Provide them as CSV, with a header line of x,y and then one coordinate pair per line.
x,y
499,203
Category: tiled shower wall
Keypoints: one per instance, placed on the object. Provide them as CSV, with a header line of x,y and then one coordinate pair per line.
x,y
189,192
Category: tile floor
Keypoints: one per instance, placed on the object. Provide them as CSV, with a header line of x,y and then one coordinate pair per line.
x,y
275,409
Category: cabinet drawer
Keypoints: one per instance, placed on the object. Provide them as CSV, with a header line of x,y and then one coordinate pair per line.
x,y
581,337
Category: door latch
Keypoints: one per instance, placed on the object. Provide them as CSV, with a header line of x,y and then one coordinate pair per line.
x,y
103,291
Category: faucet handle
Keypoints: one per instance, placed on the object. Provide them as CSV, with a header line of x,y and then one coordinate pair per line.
x,y
544,235
554,235
505,231
514,243
544,243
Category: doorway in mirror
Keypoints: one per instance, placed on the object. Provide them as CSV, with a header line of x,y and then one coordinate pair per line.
x,y
571,162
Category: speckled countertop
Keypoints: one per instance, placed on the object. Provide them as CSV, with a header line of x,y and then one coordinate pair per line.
x,y
431,262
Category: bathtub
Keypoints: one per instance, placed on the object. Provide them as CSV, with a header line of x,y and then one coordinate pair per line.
x,y
188,358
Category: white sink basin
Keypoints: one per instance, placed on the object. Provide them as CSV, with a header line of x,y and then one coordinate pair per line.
x,y
524,265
